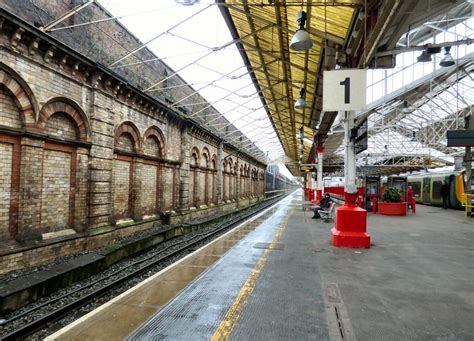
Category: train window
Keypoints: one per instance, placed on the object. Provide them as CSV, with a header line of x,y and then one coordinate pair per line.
x,y
437,189
416,187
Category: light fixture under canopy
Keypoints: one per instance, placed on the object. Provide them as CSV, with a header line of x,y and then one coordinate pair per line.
x,y
301,102
301,40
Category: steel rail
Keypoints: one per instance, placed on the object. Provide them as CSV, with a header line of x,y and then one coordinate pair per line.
x,y
55,315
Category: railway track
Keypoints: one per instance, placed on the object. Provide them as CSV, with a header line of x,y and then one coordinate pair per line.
x,y
103,286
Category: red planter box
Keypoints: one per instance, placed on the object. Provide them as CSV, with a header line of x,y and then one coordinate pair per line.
x,y
392,208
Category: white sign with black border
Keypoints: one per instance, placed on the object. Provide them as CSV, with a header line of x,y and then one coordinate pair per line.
x,y
345,90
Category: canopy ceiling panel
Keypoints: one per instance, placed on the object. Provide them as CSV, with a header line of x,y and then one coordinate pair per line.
x,y
279,72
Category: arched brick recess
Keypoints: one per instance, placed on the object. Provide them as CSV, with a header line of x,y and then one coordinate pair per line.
x,y
158,134
197,155
67,106
207,176
63,126
129,128
124,189
193,178
214,178
22,95
205,157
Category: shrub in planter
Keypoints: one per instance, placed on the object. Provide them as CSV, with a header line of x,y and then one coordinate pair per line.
x,y
391,204
392,194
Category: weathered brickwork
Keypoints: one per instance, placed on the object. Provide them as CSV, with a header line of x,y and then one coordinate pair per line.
x,y
166,193
148,189
62,126
6,161
9,114
55,191
81,149
121,188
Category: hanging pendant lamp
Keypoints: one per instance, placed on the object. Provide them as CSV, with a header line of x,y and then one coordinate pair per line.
x,y
447,60
301,102
301,40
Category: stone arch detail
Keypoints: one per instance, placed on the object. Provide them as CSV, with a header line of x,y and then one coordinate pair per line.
x,y
22,95
64,105
155,131
206,157
130,128
230,163
196,154
213,163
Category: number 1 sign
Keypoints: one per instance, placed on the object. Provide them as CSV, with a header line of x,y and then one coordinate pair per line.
x,y
344,90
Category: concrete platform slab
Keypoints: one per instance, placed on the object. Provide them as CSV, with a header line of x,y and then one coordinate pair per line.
x,y
284,281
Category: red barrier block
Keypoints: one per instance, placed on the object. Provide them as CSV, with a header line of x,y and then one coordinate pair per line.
x,y
319,195
374,205
350,228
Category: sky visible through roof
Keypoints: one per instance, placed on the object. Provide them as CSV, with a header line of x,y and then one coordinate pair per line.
x,y
190,41
192,32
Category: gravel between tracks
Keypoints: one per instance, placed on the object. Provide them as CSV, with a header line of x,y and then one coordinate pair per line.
x,y
81,288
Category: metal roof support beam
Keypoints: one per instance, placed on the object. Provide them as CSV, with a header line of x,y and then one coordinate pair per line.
x,y
229,94
251,34
262,60
283,61
196,92
66,15
286,68
390,8
233,30
223,76
313,31
142,46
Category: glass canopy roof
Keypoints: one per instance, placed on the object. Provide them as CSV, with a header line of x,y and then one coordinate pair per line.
x,y
411,106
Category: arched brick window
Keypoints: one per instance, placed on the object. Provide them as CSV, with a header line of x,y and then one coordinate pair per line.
x,y
230,188
206,176
194,199
18,112
64,166
224,180
127,142
62,118
154,142
13,87
214,176
150,172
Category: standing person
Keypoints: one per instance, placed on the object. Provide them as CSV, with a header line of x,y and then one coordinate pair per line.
x,y
445,193
323,205
410,196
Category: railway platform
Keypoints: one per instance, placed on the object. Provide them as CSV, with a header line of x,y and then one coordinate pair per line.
x,y
278,278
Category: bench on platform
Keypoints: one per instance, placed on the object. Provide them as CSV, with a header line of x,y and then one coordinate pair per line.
x,y
328,214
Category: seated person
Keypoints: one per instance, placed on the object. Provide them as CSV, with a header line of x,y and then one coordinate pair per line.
x,y
324,204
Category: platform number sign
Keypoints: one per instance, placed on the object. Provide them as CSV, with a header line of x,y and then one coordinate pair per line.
x,y
344,90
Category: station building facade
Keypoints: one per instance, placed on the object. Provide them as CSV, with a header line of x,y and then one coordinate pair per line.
x,y
86,158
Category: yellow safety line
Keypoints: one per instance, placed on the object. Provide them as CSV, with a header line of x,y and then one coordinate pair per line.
x,y
227,325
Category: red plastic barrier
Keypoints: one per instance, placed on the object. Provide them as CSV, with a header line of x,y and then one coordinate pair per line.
x,y
374,205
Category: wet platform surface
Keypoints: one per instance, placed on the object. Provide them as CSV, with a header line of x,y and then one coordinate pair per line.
x,y
278,278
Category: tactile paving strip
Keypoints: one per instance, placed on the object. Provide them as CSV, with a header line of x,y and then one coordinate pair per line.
x,y
197,311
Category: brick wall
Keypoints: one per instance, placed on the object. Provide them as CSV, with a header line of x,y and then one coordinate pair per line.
x,y
89,149
152,147
121,188
8,110
148,189
166,193
55,190
61,125
125,143
6,159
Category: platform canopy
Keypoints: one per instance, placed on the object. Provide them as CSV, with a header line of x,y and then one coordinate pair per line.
x,y
358,34
242,86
